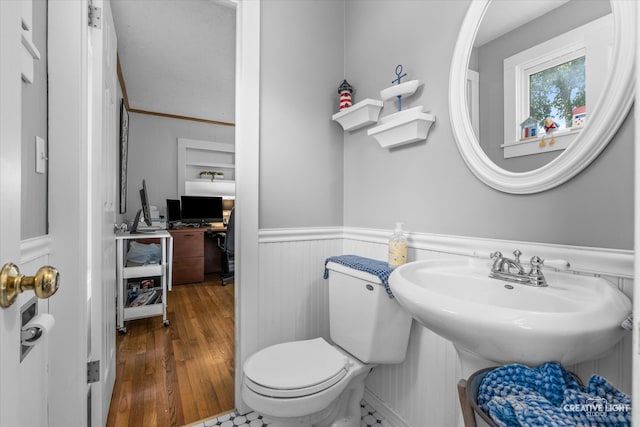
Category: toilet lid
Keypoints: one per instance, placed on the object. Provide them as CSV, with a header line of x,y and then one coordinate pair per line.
x,y
295,369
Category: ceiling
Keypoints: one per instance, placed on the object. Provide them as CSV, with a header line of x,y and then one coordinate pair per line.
x,y
505,15
178,56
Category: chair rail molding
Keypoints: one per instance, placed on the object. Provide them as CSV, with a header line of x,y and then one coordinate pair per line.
x,y
583,259
274,235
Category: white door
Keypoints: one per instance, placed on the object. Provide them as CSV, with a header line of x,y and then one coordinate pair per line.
x,y
103,96
23,384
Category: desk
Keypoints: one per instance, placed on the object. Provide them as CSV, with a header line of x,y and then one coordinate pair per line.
x,y
195,255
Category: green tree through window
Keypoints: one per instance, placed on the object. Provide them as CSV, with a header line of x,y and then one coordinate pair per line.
x,y
556,91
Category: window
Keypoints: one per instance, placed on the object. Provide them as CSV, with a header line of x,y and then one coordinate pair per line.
x,y
558,79
558,91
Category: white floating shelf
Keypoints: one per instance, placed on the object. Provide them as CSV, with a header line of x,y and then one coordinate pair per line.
x,y
403,127
206,187
403,89
360,114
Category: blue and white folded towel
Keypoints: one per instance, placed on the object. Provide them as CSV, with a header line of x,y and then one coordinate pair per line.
x,y
548,395
380,269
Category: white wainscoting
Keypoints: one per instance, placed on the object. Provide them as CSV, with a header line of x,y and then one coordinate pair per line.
x,y
420,392
293,296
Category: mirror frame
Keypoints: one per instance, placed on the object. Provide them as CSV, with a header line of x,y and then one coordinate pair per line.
x,y
603,122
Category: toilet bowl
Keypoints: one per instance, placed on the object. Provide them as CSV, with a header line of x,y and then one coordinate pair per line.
x,y
316,383
305,383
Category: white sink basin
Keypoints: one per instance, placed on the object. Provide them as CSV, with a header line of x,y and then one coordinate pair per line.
x,y
575,318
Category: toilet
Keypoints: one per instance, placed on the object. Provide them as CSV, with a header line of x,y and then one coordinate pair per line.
x,y
320,384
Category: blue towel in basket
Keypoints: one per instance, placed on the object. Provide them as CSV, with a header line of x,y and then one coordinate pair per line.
x,y
368,265
548,395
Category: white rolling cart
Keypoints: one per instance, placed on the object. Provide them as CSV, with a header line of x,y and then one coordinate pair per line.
x,y
157,303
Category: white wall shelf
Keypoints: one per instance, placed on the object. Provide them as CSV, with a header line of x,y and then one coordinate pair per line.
x,y
403,127
195,156
402,89
205,187
212,165
359,115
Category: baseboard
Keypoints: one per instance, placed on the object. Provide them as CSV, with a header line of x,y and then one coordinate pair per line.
x,y
381,408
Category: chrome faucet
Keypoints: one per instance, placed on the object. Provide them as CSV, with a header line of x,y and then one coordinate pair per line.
x,y
512,270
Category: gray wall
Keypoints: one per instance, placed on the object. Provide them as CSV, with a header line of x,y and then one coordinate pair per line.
x,y
425,184
34,123
153,155
491,58
301,163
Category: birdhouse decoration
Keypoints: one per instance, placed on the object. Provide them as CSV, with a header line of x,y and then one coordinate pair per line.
x,y
529,128
345,91
579,116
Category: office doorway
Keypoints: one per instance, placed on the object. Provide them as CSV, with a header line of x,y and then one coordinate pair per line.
x,y
150,182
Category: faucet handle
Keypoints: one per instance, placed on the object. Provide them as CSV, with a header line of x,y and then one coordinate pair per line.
x,y
536,262
536,277
517,254
497,260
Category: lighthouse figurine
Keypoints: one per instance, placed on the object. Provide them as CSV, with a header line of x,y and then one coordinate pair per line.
x,y
345,90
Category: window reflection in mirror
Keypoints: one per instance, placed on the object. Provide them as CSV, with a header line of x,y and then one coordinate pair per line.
x,y
556,92
500,116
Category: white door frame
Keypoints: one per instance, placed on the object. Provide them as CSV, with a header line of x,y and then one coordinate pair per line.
x,y
103,176
635,347
247,178
68,209
68,198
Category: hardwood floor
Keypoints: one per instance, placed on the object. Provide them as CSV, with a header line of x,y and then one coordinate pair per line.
x,y
171,376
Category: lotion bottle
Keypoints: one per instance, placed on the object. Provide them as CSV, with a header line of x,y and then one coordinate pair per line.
x,y
397,247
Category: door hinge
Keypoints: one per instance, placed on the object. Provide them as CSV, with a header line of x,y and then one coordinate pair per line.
x,y
95,17
93,371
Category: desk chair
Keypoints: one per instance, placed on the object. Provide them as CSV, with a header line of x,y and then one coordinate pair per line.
x,y
227,246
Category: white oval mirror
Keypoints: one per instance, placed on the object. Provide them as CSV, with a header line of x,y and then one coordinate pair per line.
x,y
604,118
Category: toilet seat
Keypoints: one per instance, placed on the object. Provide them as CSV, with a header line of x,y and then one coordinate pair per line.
x,y
295,369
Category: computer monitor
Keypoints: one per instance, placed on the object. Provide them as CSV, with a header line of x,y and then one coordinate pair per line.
x,y
173,211
136,223
144,200
201,209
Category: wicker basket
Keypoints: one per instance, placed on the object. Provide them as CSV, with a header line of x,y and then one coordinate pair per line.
x,y
468,392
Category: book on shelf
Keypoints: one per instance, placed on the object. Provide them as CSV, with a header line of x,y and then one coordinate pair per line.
x,y
145,298
156,298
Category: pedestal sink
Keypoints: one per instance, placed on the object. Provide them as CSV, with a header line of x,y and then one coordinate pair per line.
x,y
490,321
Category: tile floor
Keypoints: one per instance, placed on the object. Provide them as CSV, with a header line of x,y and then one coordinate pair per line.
x,y
370,418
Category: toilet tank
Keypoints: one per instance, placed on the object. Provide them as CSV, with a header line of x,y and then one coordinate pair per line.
x,y
364,320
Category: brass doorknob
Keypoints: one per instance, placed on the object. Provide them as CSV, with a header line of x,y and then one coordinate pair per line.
x,y
45,283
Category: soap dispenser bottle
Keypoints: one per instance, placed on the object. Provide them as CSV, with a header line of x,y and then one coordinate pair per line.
x,y
398,247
